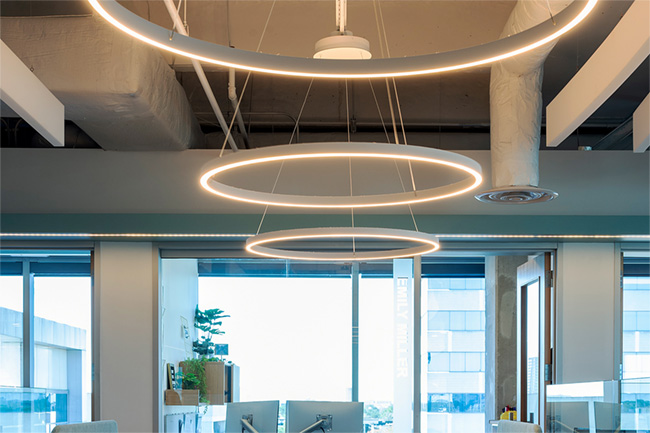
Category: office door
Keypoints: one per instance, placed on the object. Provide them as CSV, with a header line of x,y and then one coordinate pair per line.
x,y
534,372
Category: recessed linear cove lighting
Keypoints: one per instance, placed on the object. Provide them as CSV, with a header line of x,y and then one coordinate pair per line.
x,y
207,52
324,151
631,237
257,244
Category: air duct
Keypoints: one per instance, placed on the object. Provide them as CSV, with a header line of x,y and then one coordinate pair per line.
x,y
516,112
120,91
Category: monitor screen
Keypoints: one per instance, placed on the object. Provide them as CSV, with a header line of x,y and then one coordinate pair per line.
x,y
346,417
264,413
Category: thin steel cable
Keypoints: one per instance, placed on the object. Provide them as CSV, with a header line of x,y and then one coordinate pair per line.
x,y
243,90
259,227
550,12
381,117
234,115
399,174
399,112
347,120
302,107
354,246
401,121
383,55
347,109
380,17
228,23
187,28
399,109
272,191
381,42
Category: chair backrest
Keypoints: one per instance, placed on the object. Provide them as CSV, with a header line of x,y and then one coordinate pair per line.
x,y
505,426
87,427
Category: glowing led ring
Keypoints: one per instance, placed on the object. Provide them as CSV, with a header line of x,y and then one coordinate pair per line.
x,y
208,52
256,244
341,150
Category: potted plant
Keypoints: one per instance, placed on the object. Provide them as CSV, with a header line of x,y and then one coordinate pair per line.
x,y
205,373
208,321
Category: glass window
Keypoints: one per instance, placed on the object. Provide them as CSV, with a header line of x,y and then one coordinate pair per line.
x,y
439,361
11,330
62,340
291,337
636,315
455,384
473,362
438,320
532,351
61,388
457,321
456,361
376,356
473,320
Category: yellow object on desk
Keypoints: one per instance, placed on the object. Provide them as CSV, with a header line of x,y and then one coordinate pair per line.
x,y
510,415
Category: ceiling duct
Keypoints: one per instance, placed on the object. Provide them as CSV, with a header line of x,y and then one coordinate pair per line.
x,y
516,112
120,91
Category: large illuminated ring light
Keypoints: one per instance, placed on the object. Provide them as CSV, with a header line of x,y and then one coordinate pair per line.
x,y
258,244
203,51
433,157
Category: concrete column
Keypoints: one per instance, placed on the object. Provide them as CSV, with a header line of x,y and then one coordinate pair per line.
x,y
588,312
126,361
500,334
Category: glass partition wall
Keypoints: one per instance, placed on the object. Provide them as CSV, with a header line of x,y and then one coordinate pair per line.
x,y
337,332
453,300
45,339
636,315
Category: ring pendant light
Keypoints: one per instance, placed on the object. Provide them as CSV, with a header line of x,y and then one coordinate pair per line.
x,y
258,244
433,157
208,52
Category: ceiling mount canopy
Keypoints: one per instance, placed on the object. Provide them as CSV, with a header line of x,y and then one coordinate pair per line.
x,y
259,244
433,158
527,40
342,44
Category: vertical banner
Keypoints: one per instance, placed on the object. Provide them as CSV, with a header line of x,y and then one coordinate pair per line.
x,y
403,384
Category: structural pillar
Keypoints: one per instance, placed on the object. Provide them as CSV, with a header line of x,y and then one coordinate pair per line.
x,y
500,334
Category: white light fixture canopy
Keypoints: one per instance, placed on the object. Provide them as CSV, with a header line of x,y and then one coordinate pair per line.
x,y
343,47
260,244
435,158
204,51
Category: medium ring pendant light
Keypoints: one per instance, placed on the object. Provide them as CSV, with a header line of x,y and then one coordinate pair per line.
x,y
500,49
433,157
258,244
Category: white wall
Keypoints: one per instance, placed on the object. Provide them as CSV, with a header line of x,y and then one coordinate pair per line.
x,y
167,182
179,298
125,298
588,311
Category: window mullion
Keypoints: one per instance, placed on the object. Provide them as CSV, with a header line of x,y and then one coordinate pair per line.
x,y
417,343
28,326
355,331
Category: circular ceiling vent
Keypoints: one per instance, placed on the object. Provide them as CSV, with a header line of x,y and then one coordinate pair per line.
x,y
516,195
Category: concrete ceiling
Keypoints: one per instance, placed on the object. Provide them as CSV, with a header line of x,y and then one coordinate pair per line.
x,y
449,111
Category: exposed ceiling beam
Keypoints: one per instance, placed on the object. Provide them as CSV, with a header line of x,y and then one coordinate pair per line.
x,y
641,134
615,60
28,97
611,140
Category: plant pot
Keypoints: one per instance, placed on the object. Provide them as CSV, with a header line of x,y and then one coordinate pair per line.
x,y
182,397
215,380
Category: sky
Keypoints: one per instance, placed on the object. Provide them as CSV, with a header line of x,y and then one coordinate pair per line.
x,y
278,323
